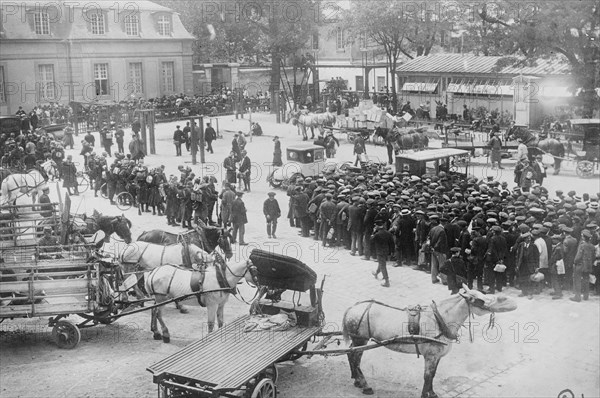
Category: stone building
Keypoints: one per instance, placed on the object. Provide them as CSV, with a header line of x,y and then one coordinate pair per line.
x,y
84,51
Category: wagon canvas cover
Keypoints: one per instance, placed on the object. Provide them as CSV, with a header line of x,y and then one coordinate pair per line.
x,y
283,272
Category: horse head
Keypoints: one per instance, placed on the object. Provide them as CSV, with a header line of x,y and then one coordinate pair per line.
x,y
224,242
482,304
122,227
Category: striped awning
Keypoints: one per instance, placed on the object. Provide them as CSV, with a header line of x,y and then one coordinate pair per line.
x,y
420,87
480,89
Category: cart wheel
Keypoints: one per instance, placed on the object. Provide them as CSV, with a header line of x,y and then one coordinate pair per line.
x,y
293,356
265,389
275,184
66,334
124,201
272,373
585,169
82,183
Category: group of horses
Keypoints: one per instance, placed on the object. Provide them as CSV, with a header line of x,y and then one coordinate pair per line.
x,y
17,184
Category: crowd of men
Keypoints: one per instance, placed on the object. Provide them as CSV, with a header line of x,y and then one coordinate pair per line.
x,y
477,232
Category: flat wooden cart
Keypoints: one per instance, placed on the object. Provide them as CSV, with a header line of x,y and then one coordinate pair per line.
x,y
232,362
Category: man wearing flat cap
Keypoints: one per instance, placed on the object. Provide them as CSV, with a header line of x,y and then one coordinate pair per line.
x,y
48,244
239,219
527,262
244,171
439,245
584,260
300,208
327,215
496,253
272,212
383,244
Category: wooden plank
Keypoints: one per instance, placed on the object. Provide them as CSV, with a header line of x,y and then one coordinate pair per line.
x,y
59,285
44,309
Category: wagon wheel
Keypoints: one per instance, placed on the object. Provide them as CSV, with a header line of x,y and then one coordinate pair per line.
x,y
124,201
585,169
272,181
265,389
271,373
82,183
293,356
66,334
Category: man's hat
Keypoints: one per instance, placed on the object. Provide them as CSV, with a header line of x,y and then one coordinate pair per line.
x,y
275,138
404,212
586,233
271,193
455,250
239,193
47,229
46,189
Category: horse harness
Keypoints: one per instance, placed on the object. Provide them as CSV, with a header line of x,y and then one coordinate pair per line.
x,y
414,318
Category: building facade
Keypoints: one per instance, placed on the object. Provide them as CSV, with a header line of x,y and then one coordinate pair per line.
x,y
85,51
475,81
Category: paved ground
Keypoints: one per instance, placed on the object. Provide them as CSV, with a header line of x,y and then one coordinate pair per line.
x,y
540,349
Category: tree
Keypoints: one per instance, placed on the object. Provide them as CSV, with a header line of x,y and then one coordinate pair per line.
x,y
401,29
567,30
250,31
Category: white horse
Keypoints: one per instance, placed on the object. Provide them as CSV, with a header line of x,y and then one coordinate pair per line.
x,y
169,281
305,120
51,169
30,183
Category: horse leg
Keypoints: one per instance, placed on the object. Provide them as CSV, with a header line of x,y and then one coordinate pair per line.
x,y
211,312
220,318
557,163
153,328
354,360
166,337
431,364
182,308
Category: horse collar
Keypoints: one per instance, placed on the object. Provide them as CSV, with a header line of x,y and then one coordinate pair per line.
x,y
445,330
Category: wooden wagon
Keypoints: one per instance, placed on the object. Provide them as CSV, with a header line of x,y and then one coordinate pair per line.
x,y
235,362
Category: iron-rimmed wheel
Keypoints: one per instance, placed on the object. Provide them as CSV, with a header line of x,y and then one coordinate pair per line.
x,y
265,389
66,334
272,373
585,169
124,201
82,183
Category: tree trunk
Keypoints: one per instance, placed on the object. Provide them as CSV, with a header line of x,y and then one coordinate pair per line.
x,y
275,80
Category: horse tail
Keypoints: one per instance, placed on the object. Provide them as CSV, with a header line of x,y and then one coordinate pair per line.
x,y
345,331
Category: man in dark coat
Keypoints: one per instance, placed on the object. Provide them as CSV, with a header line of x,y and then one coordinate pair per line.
x,y
301,210
404,237
439,245
239,219
277,161
527,261
359,148
120,135
356,214
455,270
178,140
341,221
245,168
187,134
69,175
383,244
496,253
476,256
136,126
209,136
368,227
584,260
315,203
230,168
45,203
227,198
235,147
327,214
272,212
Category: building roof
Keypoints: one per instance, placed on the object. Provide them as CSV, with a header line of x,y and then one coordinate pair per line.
x,y
67,21
472,64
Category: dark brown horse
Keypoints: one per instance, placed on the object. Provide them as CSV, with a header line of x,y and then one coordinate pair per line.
x,y
537,146
413,139
431,335
205,237
82,225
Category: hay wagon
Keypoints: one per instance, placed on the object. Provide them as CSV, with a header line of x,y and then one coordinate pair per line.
x,y
52,281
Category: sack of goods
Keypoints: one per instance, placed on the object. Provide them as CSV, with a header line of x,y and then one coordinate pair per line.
x,y
537,277
500,267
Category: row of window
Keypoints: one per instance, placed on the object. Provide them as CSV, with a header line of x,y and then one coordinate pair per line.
x,y
46,82
97,24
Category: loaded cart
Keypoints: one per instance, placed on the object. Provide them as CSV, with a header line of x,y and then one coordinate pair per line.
x,y
239,359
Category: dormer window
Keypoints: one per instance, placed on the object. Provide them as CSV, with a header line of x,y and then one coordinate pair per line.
x,y
41,23
164,25
132,25
97,23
